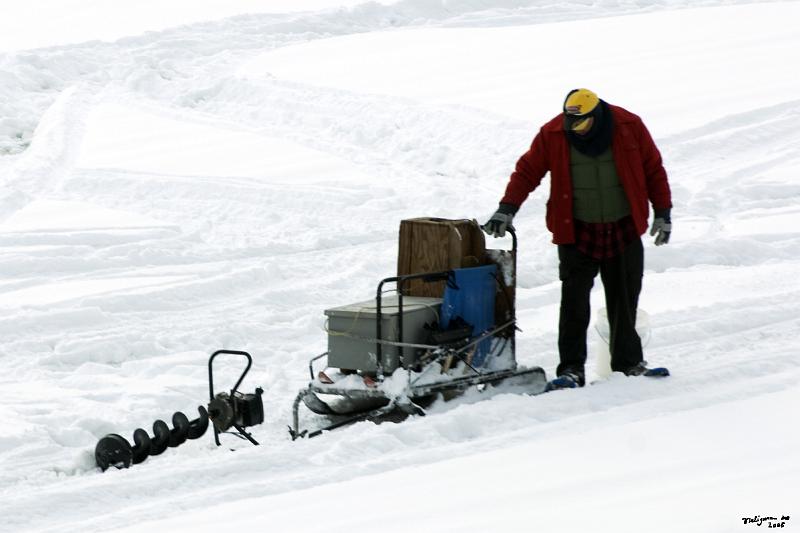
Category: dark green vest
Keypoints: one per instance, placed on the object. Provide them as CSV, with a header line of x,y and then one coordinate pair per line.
x,y
598,195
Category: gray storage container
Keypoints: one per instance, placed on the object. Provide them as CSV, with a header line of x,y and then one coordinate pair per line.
x,y
349,326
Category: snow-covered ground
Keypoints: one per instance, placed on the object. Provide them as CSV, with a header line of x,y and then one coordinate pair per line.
x,y
204,175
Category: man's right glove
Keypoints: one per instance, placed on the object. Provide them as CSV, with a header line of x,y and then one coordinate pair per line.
x,y
501,220
662,226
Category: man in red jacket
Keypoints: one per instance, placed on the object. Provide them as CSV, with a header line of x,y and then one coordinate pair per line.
x,y
604,171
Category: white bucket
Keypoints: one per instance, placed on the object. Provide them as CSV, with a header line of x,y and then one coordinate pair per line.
x,y
603,361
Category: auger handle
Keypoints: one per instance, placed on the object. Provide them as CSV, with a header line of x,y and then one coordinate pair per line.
x,y
211,370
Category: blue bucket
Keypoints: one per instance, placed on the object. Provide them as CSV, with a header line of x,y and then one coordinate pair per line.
x,y
470,294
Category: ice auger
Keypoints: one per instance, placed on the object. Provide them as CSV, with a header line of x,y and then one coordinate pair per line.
x,y
225,410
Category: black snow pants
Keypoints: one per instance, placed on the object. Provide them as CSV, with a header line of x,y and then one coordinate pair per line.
x,y
622,283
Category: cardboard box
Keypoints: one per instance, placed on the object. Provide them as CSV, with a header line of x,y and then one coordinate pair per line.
x,y
436,245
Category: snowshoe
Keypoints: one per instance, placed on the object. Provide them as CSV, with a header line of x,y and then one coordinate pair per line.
x,y
564,381
641,369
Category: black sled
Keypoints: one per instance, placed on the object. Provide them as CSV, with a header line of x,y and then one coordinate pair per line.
x,y
390,357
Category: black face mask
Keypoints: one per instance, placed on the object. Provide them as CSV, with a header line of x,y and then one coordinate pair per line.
x,y
571,120
598,139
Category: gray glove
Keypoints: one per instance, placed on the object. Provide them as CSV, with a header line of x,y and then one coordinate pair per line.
x,y
662,226
501,220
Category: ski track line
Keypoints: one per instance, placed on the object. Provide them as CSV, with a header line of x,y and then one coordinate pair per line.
x,y
157,61
735,155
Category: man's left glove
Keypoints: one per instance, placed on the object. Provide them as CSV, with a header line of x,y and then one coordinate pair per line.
x,y
662,226
501,220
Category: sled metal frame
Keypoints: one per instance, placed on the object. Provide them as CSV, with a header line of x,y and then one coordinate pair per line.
x,y
404,402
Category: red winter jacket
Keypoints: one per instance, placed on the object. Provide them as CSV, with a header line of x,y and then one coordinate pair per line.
x,y
638,164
